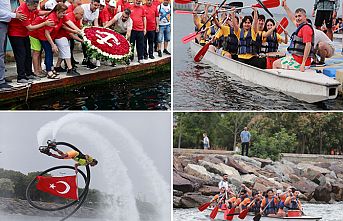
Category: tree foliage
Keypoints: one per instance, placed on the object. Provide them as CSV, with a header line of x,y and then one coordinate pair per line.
x,y
272,133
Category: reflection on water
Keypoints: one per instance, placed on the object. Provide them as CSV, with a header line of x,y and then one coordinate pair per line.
x,y
203,86
143,93
331,212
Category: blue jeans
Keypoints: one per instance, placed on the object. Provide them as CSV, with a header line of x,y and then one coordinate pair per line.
x,y
49,59
164,34
3,35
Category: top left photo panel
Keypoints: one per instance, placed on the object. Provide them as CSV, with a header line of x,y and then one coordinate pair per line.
x,y
85,55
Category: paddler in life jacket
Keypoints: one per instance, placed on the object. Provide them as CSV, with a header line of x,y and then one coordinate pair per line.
x,y
256,205
226,38
292,202
243,199
199,21
261,20
271,39
220,198
270,202
302,42
246,34
81,159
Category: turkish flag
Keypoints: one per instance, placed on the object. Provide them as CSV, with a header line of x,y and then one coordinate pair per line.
x,y
65,187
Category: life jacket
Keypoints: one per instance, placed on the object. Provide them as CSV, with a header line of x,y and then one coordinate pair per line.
x,y
297,46
256,207
230,42
82,160
246,45
258,42
271,45
294,205
272,207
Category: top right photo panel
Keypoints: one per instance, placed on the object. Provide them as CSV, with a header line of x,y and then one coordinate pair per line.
x,y
257,55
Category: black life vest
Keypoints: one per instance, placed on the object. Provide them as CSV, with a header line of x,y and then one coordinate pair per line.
x,y
230,42
297,45
271,208
246,45
294,205
258,42
256,207
271,45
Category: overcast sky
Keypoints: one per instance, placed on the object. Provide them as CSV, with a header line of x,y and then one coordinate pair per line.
x,y
18,139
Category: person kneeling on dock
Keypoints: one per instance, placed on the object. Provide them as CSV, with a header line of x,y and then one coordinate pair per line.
x,y
302,43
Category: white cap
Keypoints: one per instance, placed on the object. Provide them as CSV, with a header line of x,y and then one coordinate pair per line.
x,y
102,2
113,3
279,191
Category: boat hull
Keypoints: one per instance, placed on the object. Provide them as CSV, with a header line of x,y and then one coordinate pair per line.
x,y
307,86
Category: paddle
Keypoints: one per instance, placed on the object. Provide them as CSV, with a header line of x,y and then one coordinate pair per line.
x,y
204,206
181,12
231,214
191,36
214,212
258,216
244,212
282,26
183,1
198,57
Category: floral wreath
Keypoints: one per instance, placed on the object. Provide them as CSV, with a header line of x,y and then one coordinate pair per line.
x,y
106,43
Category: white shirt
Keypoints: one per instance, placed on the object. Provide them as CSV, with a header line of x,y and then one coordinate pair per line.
x,y
88,15
50,4
206,142
320,36
121,26
5,11
164,12
223,183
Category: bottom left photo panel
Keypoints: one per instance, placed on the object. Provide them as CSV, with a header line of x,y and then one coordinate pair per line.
x,y
85,166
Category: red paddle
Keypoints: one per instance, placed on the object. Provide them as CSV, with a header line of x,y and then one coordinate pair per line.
x,y
181,12
244,212
268,4
183,1
204,206
198,57
230,215
214,212
189,37
283,25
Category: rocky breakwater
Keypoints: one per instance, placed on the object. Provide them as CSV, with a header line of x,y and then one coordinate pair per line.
x,y
196,176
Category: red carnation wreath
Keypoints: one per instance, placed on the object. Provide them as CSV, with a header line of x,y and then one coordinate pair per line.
x,y
106,43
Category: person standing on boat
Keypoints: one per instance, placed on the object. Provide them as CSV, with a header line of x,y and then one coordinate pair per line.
x,y
6,15
206,141
323,47
247,48
245,141
302,42
325,10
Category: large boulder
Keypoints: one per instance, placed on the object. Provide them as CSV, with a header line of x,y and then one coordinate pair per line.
x,y
191,200
198,171
198,182
185,160
177,193
211,167
216,159
337,168
305,186
251,169
264,162
294,178
222,169
209,190
181,184
312,173
232,163
177,202
322,193
337,189
262,183
306,166
248,160
177,164
248,178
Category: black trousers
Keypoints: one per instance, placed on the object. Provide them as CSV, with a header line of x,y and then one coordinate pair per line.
x,y
149,40
22,53
255,61
245,145
72,45
84,51
137,38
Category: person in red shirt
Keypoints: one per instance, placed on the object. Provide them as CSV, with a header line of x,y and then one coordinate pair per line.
x,y
152,26
138,29
302,42
47,36
123,4
73,5
102,17
71,26
71,8
109,11
18,33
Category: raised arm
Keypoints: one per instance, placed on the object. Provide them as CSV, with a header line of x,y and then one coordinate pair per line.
x,y
234,20
255,20
290,14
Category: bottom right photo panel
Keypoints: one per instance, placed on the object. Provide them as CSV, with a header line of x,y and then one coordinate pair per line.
x,y
258,166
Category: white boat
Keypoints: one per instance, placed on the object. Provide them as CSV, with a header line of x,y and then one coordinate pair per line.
x,y
249,217
307,86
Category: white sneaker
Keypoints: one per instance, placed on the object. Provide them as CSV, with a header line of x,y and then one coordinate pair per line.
x,y
97,63
108,63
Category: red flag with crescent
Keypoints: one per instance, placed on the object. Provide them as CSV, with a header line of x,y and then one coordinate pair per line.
x,y
65,187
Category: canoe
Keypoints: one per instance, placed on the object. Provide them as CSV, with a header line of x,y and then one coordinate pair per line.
x,y
249,217
307,86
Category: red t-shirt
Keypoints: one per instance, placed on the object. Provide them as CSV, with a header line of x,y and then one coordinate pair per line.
x,y
124,5
307,34
151,14
18,28
53,29
37,33
108,14
137,16
63,32
70,8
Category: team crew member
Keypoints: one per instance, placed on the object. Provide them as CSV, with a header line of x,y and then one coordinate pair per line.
x,y
292,202
138,29
246,33
152,26
109,11
302,42
270,203
261,19
164,11
220,198
256,205
123,4
73,5
71,26
90,18
271,39
198,22
326,11
226,40
18,33
102,15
